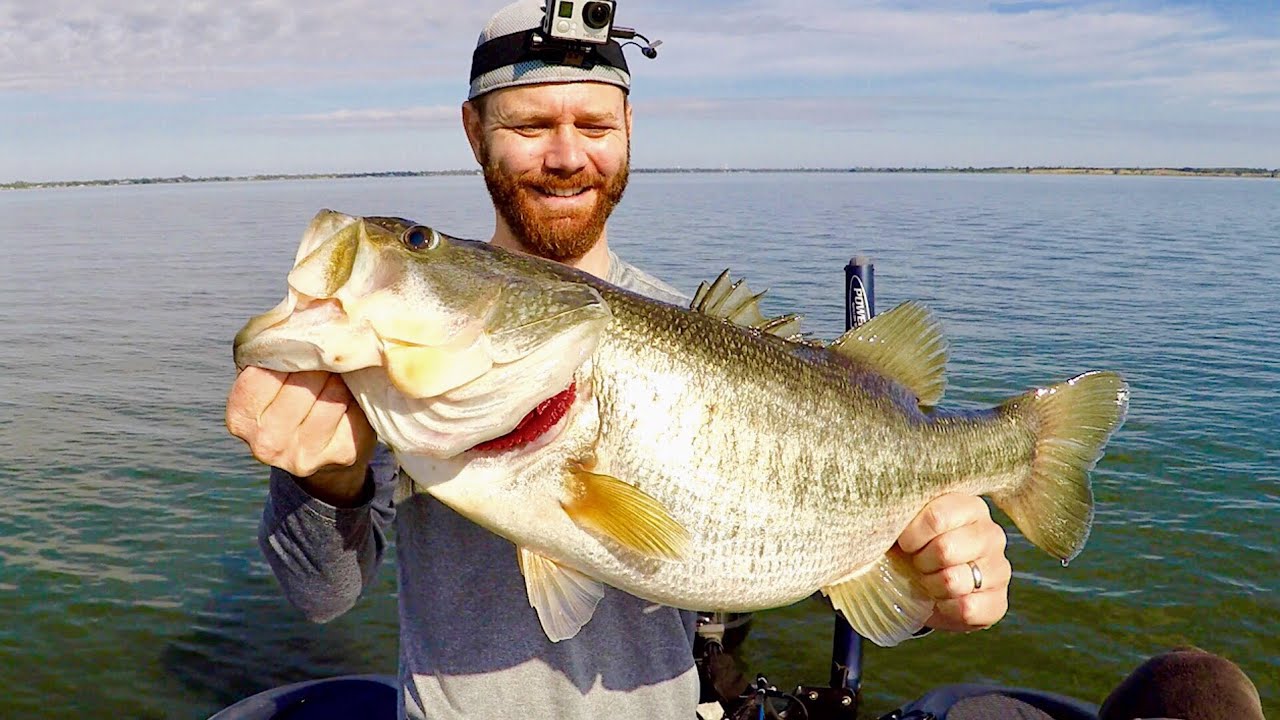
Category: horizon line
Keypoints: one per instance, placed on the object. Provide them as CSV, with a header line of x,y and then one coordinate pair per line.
x,y
1212,171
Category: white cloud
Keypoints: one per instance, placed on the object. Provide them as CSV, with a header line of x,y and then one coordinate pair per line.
x,y
194,45
844,113
1183,52
53,44
947,72
863,39
1264,106
376,118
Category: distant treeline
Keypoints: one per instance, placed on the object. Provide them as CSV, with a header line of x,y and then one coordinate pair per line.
x,y
21,184
1028,170
1051,170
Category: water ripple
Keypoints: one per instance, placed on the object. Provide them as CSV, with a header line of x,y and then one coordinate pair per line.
x,y
129,577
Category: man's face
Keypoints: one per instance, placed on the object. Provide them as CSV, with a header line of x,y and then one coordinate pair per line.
x,y
555,160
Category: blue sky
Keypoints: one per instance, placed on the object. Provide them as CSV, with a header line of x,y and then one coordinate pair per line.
x,y
123,88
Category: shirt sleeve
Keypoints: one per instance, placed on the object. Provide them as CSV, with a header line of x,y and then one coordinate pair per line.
x,y
325,556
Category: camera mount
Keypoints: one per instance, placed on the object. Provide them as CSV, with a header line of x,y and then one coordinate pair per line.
x,y
574,33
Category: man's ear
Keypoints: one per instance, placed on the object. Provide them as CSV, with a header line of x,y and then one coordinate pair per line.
x,y
473,126
626,101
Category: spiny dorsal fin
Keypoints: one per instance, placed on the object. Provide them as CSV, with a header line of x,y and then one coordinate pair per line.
x,y
906,345
734,301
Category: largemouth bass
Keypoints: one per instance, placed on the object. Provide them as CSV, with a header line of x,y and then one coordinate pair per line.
x,y
705,457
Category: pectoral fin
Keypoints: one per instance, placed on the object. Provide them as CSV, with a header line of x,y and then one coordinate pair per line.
x,y
564,598
625,514
884,601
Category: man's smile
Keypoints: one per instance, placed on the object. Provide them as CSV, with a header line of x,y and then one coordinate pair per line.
x,y
566,192
564,199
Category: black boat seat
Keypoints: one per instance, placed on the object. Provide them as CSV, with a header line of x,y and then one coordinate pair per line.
x,y
338,698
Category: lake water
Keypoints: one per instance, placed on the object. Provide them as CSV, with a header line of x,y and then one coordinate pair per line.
x,y
130,581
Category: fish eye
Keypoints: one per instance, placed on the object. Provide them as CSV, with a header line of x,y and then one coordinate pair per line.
x,y
420,237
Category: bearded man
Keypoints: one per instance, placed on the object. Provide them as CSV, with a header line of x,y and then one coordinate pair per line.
x,y
554,142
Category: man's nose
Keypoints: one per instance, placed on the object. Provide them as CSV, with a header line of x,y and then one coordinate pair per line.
x,y
567,153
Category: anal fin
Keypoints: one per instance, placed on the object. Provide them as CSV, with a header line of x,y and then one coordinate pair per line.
x,y
564,598
885,601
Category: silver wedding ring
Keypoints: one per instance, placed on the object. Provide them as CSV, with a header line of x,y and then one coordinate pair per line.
x,y
977,575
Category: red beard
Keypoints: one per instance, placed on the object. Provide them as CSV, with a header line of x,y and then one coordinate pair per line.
x,y
562,236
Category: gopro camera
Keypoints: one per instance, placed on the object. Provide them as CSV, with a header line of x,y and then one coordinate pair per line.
x,y
579,20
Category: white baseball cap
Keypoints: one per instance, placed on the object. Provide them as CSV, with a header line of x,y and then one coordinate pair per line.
x,y
511,25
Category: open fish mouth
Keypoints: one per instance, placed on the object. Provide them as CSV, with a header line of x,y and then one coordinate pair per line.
x,y
294,337
317,311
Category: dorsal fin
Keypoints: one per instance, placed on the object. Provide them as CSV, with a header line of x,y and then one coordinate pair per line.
x,y
906,345
734,301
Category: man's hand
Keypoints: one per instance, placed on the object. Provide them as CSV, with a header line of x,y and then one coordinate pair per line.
x,y
307,424
942,541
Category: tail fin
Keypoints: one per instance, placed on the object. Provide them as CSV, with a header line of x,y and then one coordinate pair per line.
x,y
1072,421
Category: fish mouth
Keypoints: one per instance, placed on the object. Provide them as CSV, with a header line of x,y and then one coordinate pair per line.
x,y
538,427
314,312
296,336
296,311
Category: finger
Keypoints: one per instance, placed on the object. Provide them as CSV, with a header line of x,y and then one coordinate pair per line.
x,y
975,611
346,447
254,388
290,406
943,514
330,405
957,580
958,547
366,437
338,421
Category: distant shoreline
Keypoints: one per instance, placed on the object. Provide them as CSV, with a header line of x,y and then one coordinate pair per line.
x,y
1028,170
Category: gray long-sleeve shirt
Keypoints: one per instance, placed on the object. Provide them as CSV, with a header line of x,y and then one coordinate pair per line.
x,y
470,645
